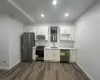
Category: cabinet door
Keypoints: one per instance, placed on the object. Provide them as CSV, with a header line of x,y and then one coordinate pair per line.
x,y
46,54
72,33
35,31
57,55
46,33
73,56
34,54
65,30
41,31
51,55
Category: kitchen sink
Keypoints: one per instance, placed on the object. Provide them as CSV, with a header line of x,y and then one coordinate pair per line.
x,y
54,47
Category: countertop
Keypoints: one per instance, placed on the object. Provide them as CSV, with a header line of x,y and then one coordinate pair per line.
x,y
71,48
34,47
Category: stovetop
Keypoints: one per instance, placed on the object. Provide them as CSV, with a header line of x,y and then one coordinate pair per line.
x,y
40,47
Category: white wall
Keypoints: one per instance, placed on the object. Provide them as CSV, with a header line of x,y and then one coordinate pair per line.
x,y
47,43
4,49
88,41
15,31
10,31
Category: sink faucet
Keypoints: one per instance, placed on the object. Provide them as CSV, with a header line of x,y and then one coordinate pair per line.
x,y
53,41
53,44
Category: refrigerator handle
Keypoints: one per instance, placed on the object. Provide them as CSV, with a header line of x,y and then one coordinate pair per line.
x,y
22,47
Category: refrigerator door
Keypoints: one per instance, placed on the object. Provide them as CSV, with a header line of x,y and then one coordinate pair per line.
x,y
29,55
27,41
32,39
24,55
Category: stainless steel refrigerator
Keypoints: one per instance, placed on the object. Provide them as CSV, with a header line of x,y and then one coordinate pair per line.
x,y
27,42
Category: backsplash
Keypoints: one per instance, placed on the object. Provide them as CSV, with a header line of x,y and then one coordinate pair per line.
x,y
61,44
41,43
66,44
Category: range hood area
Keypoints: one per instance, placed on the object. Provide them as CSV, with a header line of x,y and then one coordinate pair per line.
x,y
40,37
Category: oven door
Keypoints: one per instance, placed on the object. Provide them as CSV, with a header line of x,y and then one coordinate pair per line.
x,y
40,53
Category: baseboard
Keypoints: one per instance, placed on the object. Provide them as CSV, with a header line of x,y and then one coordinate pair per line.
x,y
11,66
85,71
4,68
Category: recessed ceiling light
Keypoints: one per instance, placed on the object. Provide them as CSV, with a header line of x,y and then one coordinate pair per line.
x,y
42,15
66,14
54,2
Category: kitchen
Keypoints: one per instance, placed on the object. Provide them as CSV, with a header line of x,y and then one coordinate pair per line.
x,y
65,41
49,39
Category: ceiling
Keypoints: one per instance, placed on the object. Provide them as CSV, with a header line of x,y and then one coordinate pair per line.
x,y
54,14
14,13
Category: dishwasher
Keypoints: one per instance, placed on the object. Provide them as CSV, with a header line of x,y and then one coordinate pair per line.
x,y
64,55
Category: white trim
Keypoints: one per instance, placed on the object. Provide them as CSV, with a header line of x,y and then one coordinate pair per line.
x,y
85,71
5,68
11,66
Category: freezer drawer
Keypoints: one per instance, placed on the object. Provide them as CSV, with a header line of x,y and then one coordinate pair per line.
x,y
65,56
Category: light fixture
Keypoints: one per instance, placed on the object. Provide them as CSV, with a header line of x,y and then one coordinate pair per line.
x,y
42,15
66,14
54,2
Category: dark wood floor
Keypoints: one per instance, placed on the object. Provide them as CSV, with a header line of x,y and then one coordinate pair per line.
x,y
2,72
44,71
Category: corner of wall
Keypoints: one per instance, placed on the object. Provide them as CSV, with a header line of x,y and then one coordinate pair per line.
x,y
84,71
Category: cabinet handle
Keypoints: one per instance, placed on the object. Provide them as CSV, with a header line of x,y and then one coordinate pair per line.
x,y
22,47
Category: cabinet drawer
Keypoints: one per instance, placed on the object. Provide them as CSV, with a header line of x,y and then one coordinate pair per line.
x,y
57,51
73,58
73,51
73,55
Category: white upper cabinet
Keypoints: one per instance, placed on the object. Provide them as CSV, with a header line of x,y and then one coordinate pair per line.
x,y
41,31
46,33
35,31
67,33
64,30
72,33
38,30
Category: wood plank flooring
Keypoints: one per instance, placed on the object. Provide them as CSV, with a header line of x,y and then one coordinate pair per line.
x,y
2,72
44,71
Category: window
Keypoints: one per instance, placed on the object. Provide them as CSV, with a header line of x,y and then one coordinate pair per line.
x,y
53,32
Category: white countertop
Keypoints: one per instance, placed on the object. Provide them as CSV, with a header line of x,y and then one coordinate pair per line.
x,y
61,48
34,47
71,48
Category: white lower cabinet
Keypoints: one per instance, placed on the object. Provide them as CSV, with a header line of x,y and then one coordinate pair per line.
x,y
46,54
73,56
34,54
57,55
52,55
